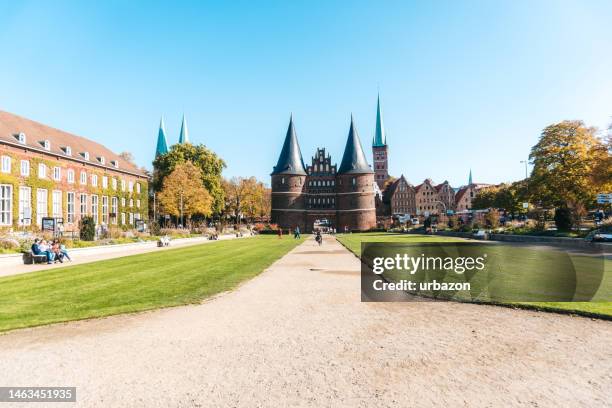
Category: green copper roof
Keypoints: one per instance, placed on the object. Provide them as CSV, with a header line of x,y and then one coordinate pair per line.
x,y
354,160
380,139
470,178
184,136
162,143
290,160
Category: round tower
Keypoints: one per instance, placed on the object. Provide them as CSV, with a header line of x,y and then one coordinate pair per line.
x,y
288,181
355,188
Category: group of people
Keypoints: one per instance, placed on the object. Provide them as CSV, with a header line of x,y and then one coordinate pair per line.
x,y
54,250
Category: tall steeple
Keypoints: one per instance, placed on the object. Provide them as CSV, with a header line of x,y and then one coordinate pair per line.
x,y
354,160
380,138
184,136
470,178
290,160
162,142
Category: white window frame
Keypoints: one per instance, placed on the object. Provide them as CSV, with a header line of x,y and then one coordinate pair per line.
x,y
83,178
83,205
6,204
70,203
104,182
138,188
70,176
42,170
94,180
25,201
56,203
42,207
114,183
122,218
105,210
57,173
6,164
24,167
95,208
114,209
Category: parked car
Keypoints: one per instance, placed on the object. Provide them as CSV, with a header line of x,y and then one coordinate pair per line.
x,y
600,235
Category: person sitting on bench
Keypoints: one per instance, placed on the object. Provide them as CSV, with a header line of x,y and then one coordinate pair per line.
x,y
38,250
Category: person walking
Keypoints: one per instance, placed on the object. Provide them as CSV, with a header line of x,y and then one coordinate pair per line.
x,y
296,233
280,233
319,238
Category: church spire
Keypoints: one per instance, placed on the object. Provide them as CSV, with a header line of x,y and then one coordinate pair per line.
x,y
380,138
470,178
290,159
354,160
162,143
184,136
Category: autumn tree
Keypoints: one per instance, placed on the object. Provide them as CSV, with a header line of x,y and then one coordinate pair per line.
x,y
183,193
247,197
565,162
209,164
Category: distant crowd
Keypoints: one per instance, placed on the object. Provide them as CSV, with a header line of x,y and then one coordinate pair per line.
x,y
54,250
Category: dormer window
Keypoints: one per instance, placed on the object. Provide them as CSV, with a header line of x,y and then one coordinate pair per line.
x,y
115,163
47,145
21,137
68,151
85,155
101,160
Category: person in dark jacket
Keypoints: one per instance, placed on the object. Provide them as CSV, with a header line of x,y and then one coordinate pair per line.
x,y
36,250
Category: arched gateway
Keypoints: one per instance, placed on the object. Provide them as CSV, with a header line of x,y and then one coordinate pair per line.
x,y
304,195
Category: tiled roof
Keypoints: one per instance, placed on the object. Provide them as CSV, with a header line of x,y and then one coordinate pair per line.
x,y
36,134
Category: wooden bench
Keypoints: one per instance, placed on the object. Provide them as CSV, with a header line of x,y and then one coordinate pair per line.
x,y
29,258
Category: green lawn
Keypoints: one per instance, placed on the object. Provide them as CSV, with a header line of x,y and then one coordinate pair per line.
x,y
525,260
135,283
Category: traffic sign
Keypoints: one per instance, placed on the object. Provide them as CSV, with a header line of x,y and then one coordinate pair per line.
x,y
604,198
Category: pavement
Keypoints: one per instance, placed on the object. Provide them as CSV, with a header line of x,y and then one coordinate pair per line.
x,y
299,335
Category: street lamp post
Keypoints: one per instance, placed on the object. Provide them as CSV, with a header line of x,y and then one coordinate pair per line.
x,y
526,162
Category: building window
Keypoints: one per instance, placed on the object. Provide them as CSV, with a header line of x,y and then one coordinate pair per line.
x,y
25,205
57,174
68,151
83,206
25,168
131,219
104,182
131,186
104,209
83,178
122,184
138,188
131,202
41,205
122,218
70,207
42,170
137,203
94,208
56,203
123,201
47,145
6,202
70,176
114,183
6,164
114,209
94,180
22,138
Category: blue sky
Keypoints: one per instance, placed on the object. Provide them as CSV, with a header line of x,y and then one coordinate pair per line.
x,y
463,84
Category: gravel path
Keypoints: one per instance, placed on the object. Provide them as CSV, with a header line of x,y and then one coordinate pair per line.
x,y
298,335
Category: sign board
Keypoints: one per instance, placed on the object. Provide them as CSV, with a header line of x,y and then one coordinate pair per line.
x,y
525,206
48,224
604,198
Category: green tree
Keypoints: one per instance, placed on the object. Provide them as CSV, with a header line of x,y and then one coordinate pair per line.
x,y
183,193
207,161
565,160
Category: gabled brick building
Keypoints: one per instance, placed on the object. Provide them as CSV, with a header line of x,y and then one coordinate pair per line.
x,y
46,172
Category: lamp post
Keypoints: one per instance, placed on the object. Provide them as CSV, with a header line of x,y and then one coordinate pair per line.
x,y
526,162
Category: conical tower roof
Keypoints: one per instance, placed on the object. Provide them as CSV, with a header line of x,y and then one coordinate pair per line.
x,y
380,138
470,178
162,142
290,159
354,160
184,136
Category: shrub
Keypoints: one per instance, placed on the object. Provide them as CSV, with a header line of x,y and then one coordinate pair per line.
x,y
9,243
563,219
87,229
492,219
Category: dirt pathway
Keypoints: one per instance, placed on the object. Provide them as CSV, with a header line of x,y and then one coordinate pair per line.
x,y
298,335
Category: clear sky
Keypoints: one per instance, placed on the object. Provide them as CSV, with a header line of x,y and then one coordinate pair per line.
x,y
463,84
